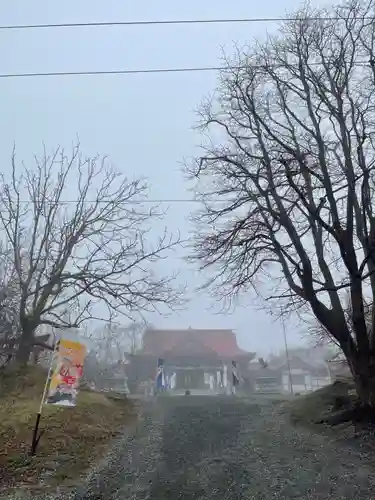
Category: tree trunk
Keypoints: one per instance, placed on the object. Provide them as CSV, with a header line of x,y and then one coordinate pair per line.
x,y
365,390
24,348
364,378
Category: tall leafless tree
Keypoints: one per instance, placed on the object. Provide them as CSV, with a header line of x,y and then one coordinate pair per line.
x,y
9,297
132,335
288,195
78,231
319,334
114,341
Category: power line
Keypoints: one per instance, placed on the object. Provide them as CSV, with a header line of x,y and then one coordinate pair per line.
x,y
112,72
133,202
155,70
171,22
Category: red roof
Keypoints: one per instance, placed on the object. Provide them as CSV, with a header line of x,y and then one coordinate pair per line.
x,y
221,343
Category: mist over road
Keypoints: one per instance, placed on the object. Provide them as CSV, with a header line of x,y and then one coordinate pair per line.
x,y
225,448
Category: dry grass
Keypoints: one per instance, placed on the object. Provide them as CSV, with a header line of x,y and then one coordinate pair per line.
x,y
74,438
310,408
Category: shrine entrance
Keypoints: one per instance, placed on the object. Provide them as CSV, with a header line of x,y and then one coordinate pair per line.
x,y
188,379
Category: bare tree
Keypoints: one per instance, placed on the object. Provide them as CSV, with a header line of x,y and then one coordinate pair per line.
x,y
114,341
132,335
9,296
288,198
320,336
109,347
79,234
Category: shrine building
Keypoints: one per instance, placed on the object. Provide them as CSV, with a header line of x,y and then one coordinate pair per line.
x,y
194,359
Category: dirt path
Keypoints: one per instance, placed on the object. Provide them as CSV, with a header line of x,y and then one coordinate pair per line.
x,y
227,449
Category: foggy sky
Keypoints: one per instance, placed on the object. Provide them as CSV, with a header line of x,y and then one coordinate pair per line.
x,y
143,122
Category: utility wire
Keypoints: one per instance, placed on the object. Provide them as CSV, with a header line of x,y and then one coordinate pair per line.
x,y
172,22
112,72
146,71
133,202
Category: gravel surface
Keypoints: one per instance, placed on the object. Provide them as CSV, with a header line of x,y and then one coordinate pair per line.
x,y
231,449
207,448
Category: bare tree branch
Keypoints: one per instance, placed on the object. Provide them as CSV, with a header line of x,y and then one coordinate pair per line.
x,y
296,175
95,248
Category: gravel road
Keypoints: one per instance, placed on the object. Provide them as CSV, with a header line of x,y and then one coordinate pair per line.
x,y
212,448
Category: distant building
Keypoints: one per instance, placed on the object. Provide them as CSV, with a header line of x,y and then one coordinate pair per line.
x,y
194,359
306,373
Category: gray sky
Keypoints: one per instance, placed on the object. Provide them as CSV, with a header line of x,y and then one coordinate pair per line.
x,y
143,122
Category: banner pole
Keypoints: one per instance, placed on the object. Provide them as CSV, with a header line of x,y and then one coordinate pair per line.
x,y
36,436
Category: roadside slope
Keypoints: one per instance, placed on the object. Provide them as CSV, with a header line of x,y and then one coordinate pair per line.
x,y
73,438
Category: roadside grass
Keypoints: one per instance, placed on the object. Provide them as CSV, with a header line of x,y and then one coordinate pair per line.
x,y
73,438
309,409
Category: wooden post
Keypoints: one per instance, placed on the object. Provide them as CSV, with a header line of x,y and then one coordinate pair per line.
x,y
36,434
